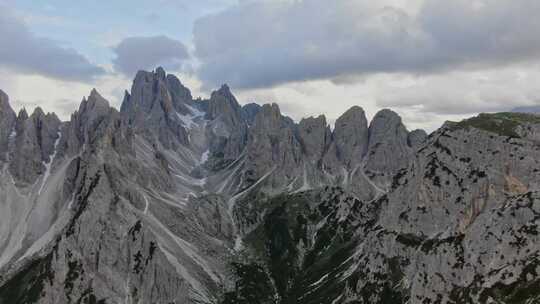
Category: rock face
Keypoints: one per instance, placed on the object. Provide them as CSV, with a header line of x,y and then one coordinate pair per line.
x,y
229,125
315,137
272,146
159,104
250,112
388,149
175,200
35,141
416,138
7,125
350,137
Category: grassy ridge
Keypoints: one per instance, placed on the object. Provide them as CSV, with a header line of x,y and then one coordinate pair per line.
x,y
503,123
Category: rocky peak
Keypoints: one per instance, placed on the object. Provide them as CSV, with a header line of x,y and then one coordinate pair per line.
x,y
94,94
350,137
229,124
388,149
250,111
160,73
224,105
315,136
149,96
87,123
416,138
269,118
225,91
273,144
40,119
156,94
5,107
95,104
35,141
356,215
91,109
179,93
386,123
154,106
7,124
38,112
124,107
22,115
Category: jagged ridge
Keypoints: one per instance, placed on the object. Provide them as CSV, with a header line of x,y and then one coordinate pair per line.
x,y
197,199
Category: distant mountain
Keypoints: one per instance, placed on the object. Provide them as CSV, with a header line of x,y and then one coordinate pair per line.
x,y
527,109
177,200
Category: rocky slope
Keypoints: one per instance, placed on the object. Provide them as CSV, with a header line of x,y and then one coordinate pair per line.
x,y
176,200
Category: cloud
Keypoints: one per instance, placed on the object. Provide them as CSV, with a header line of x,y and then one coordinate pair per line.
x,y
136,53
263,43
61,97
463,93
24,52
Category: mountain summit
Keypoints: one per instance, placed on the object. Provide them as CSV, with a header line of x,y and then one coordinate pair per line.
x,y
177,200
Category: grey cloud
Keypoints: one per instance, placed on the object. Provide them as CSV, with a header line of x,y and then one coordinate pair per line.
x,y
24,52
266,43
136,53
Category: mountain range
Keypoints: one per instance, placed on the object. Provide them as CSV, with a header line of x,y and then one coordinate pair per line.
x,y
172,199
527,109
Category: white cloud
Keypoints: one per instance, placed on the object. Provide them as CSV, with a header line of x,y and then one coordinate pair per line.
x,y
458,92
57,96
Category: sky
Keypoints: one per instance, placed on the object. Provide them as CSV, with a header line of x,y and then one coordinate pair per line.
x,y
428,60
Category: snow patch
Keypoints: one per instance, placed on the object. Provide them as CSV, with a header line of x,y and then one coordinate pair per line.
x,y
291,184
204,156
12,135
174,202
324,277
189,120
305,184
336,300
48,164
238,244
377,188
146,204
345,176
191,180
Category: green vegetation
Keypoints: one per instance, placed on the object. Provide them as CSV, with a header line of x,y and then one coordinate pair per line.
x,y
27,286
503,123
253,287
303,270
522,291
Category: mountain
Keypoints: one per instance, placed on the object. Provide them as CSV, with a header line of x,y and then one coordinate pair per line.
x,y
179,200
527,109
